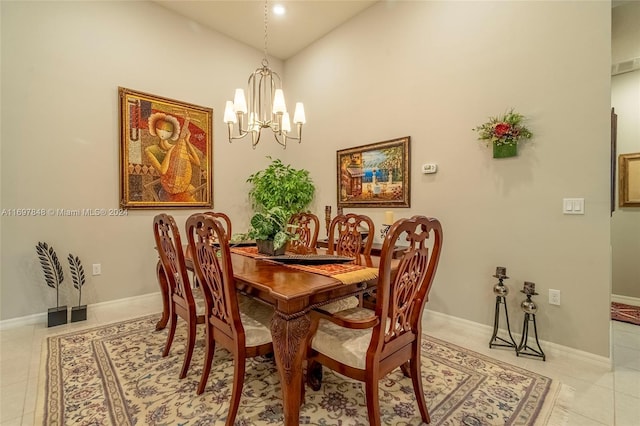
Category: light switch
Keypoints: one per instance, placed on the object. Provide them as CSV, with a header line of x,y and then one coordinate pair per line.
x,y
573,205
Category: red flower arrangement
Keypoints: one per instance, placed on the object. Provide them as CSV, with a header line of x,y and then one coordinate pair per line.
x,y
504,130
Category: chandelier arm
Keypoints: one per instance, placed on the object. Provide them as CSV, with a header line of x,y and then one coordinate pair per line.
x,y
282,142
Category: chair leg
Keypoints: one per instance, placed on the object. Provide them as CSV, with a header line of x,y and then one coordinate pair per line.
x,y
172,332
208,358
314,375
191,342
416,378
236,391
406,369
373,401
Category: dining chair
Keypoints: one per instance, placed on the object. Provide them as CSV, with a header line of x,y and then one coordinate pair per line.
x,y
307,227
345,235
366,344
183,302
237,323
346,239
225,220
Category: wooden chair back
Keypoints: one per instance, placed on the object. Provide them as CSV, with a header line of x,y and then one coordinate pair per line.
x,y
209,247
224,219
180,298
345,235
307,228
401,300
169,246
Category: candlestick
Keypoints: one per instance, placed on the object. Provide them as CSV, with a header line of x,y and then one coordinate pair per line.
x,y
327,217
388,218
529,308
501,291
529,288
501,272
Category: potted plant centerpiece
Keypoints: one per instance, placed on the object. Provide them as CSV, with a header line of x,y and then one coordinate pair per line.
x,y
277,192
269,229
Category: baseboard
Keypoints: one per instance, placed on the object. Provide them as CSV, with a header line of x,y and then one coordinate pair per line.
x,y
42,317
550,348
627,300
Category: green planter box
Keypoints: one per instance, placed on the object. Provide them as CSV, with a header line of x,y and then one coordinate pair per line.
x,y
504,151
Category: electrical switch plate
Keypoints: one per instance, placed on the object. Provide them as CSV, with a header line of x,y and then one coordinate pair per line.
x,y
573,205
429,168
97,269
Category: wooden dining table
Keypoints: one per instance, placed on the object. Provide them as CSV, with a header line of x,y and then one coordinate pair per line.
x,y
293,293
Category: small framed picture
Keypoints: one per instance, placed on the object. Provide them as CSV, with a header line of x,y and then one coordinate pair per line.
x,y
375,175
166,153
629,180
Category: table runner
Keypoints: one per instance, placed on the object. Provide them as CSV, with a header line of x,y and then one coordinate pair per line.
x,y
347,273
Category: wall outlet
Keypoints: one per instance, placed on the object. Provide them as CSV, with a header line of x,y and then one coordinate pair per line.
x,y
97,269
554,297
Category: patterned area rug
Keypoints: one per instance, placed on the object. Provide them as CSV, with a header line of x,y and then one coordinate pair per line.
x,y
115,375
625,313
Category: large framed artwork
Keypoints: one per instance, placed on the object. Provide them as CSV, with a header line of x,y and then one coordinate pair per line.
x,y
375,175
166,152
629,175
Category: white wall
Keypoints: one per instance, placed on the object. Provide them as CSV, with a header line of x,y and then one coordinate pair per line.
x,y
435,70
625,98
430,70
62,63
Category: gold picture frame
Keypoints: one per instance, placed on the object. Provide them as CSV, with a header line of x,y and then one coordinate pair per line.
x,y
629,180
375,175
163,162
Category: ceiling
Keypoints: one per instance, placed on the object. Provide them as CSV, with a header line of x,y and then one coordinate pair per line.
x,y
305,21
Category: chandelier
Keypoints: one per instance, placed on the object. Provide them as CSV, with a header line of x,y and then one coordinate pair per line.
x,y
266,107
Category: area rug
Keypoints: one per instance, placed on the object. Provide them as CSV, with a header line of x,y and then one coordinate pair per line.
x,y
625,313
115,375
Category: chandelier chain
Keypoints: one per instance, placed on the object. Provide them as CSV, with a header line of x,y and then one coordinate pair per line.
x,y
266,16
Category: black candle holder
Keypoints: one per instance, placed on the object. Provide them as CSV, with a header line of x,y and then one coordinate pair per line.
x,y
529,308
383,231
501,292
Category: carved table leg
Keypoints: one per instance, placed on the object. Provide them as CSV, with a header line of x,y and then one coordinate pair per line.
x,y
289,344
164,289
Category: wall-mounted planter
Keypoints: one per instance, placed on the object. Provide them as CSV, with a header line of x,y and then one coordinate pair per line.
x,y
505,151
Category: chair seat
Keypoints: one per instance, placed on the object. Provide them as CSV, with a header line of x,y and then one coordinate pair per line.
x,y
348,346
341,305
256,320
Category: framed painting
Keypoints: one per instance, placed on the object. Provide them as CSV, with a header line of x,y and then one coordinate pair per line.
x,y
629,177
375,175
166,153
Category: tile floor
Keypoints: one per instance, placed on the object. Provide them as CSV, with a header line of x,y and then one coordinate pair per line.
x,y
601,396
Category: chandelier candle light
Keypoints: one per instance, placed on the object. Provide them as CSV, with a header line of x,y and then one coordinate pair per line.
x,y
266,107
